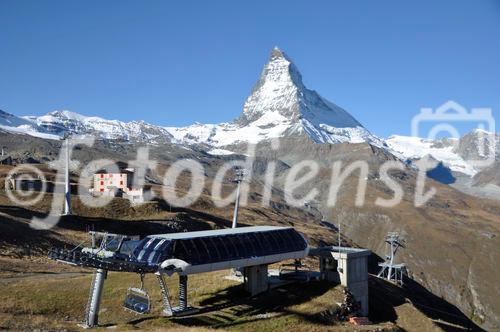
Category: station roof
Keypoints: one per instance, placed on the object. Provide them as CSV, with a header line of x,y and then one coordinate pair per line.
x,y
222,245
218,232
336,251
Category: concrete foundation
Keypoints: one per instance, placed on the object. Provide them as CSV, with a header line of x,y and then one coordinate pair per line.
x,y
256,279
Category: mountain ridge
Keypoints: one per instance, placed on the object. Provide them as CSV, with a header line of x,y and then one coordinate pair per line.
x,y
279,106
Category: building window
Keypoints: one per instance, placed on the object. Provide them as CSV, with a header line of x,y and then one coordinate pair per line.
x,y
121,183
101,190
102,183
102,175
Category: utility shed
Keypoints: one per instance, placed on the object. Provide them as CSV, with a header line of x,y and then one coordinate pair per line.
x,y
347,266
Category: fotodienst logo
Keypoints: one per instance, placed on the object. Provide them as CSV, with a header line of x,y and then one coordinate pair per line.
x,y
26,184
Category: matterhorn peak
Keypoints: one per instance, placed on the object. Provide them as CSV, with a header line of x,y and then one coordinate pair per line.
x,y
279,98
279,106
276,90
280,68
276,54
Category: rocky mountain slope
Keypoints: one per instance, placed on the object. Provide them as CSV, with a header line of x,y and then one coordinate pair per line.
x,y
452,239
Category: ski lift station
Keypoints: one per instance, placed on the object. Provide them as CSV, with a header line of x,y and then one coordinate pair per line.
x,y
247,250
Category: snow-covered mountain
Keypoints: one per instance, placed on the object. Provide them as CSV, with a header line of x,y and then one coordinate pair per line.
x,y
61,122
456,154
10,120
55,125
411,148
280,106
15,124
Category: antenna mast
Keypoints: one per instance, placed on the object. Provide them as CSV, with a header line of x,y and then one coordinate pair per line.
x,y
239,175
67,188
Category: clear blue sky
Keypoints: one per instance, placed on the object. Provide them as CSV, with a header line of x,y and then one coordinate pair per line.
x,y
177,62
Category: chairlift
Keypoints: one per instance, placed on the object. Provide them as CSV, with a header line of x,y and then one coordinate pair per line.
x,y
137,299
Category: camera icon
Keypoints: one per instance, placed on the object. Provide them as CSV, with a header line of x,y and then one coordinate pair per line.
x,y
442,120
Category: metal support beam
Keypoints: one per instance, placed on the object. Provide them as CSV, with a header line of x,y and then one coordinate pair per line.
x,y
92,313
167,306
183,279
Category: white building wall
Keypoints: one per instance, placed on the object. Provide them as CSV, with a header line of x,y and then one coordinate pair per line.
x,y
104,182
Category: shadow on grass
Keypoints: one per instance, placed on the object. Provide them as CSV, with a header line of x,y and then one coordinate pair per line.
x,y
15,228
384,294
245,309
438,308
185,220
19,233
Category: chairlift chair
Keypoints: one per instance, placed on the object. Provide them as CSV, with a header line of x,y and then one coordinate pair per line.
x,y
137,299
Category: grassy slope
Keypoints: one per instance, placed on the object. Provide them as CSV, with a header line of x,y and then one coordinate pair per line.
x,y
58,302
44,294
